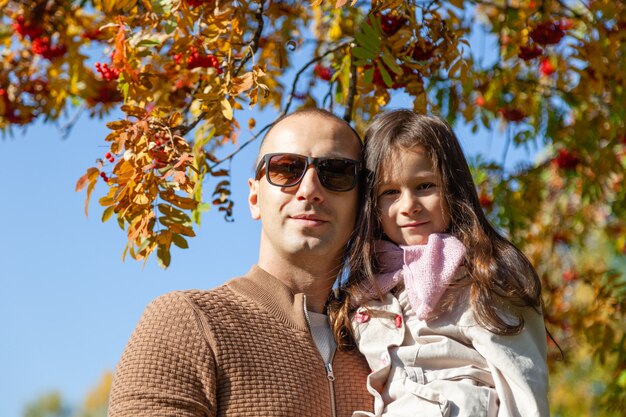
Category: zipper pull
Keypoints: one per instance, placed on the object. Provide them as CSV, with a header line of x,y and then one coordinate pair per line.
x,y
329,372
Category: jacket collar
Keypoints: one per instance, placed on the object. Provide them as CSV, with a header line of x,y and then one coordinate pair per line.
x,y
272,295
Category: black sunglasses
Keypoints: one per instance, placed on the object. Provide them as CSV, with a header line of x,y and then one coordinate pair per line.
x,y
288,169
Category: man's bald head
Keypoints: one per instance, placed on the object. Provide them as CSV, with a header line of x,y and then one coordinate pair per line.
x,y
307,112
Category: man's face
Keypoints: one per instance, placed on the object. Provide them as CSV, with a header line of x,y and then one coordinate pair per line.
x,y
306,219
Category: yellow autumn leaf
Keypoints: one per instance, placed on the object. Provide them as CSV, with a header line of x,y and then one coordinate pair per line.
x,y
227,109
119,124
141,199
90,175
241,84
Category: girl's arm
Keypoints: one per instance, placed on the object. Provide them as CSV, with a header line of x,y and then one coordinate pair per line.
x,y
518,364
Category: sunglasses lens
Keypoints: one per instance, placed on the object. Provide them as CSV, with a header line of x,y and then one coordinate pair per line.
x,y
337,174
285,169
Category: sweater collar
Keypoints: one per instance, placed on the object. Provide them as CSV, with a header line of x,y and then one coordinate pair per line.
x,y
273,295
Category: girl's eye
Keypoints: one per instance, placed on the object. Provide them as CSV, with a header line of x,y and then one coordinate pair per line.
x,y
426,186
388,192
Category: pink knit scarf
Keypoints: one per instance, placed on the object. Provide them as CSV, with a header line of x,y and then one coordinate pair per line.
x,y
425,269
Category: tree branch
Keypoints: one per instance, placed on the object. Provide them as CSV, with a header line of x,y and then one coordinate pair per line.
x,y
254,43
243,145
304,68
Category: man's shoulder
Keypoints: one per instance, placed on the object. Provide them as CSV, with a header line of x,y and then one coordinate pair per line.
x,y
199,298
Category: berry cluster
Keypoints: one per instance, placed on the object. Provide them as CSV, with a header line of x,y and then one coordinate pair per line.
x,y
566,160
108,73
104,177
109,157
43,47
390,24
485,200
569,275
25,29
549,32
512,114
322,72
93,34
198,60
529,52
423,52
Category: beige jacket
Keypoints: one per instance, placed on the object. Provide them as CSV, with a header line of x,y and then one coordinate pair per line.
x,y
450,365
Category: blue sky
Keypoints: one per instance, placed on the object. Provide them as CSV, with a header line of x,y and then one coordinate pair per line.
x,y
68,302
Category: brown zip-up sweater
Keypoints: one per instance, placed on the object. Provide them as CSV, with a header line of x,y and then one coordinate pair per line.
x,y
242,349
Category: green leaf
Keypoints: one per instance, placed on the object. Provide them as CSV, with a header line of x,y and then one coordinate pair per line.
x,y
169,26
370,44
368,77
383,73
390,61
370,37
362,53
199,143
148,42
203,207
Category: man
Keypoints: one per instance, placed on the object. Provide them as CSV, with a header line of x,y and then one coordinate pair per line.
x,y
259,345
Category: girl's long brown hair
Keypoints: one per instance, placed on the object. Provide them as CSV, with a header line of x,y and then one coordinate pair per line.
x,y
502,279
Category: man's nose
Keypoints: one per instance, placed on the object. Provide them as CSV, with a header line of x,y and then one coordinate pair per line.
x,y
310,188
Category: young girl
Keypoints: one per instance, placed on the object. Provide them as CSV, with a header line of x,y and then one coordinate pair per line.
x,y
449,311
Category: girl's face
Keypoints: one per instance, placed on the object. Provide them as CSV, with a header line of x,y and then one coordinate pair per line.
x,y
409,198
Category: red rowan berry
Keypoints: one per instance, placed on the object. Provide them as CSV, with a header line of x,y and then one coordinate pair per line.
x,y
107,73
391,24
546,68
566,160
26,29
529,52
423,52
512,114
322,72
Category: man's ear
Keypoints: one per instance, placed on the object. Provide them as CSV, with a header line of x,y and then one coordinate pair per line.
x,y
253,199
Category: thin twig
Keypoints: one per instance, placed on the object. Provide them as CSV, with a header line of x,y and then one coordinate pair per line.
x,y
304,68
329,97
254,43
347,116
243,145
66,129
507,145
